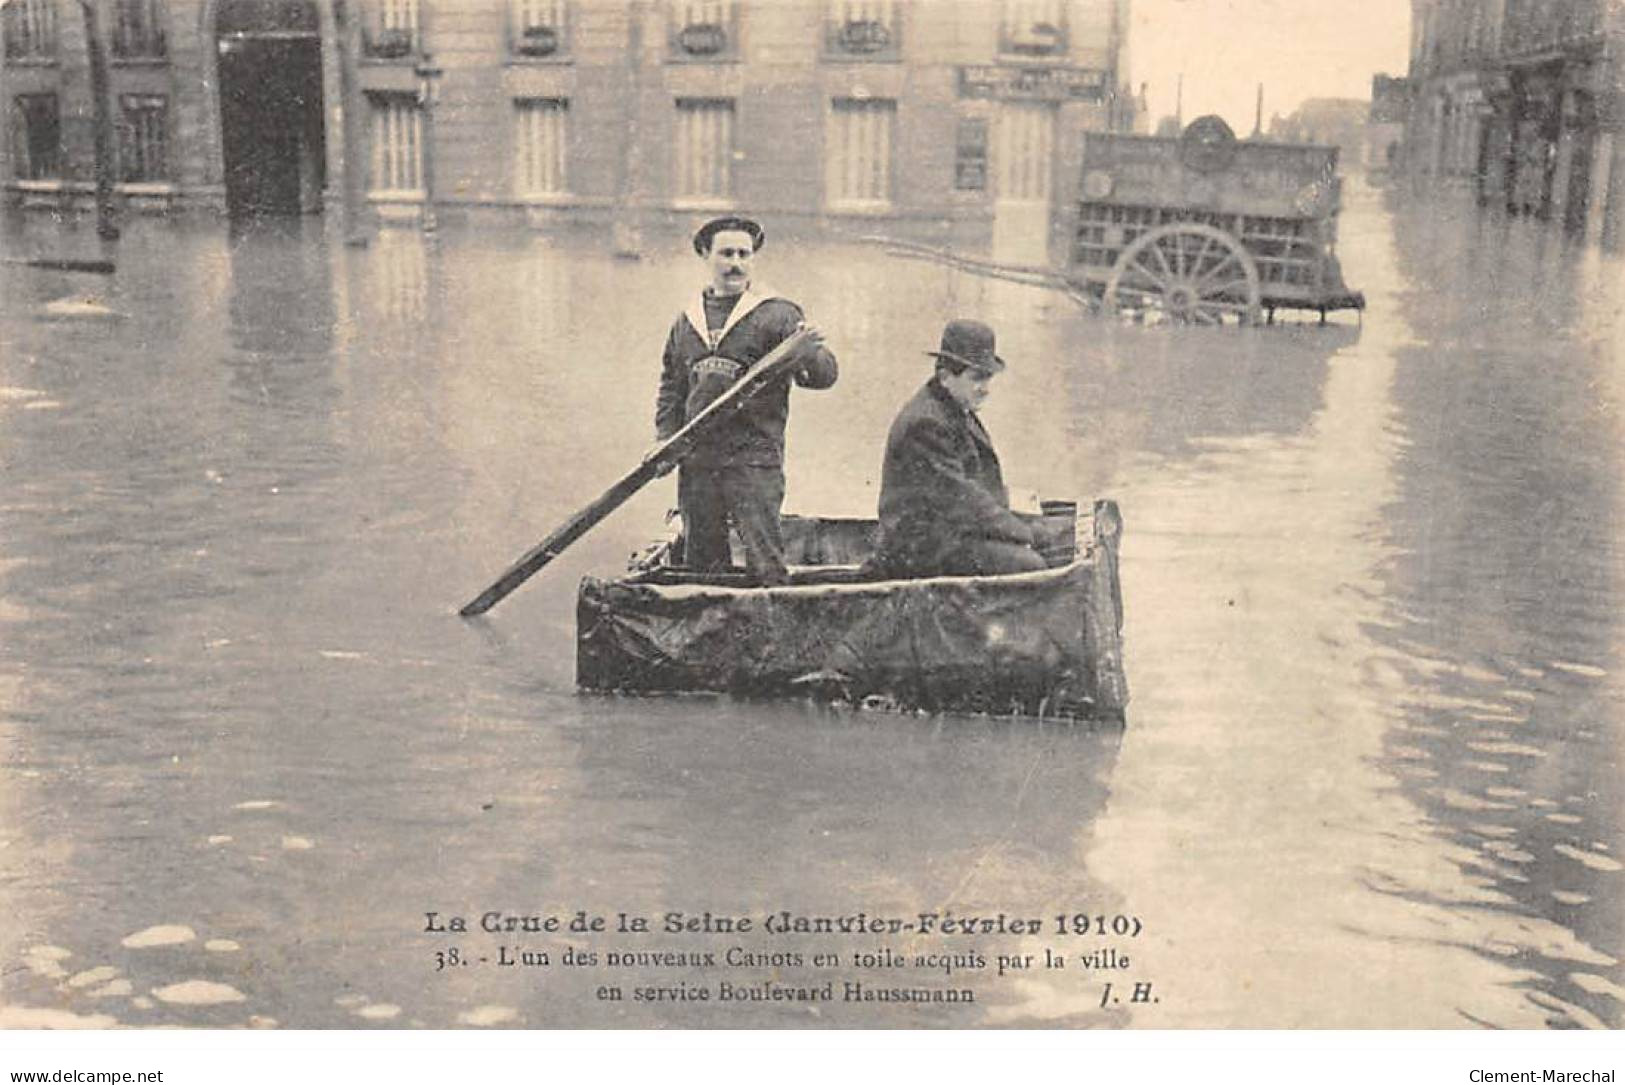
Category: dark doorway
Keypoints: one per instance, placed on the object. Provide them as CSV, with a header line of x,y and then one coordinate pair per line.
x,y
272,136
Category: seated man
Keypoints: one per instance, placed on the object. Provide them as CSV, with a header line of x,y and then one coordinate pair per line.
x,y
943,506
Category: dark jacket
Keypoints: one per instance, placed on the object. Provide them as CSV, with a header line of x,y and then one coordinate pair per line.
x,y
940,485
756,436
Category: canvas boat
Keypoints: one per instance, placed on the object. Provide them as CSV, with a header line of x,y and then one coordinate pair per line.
x,y
1042,644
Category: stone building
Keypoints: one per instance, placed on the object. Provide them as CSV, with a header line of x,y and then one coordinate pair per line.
x,y
1520,103
597,109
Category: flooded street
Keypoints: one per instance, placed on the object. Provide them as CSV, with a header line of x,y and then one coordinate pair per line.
x,y
1373,578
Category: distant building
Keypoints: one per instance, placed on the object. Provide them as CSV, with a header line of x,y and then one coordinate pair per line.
x,y
1336,122
827,109
1520,103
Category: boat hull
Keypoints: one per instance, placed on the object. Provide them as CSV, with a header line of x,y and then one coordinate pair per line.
x,y
1046,643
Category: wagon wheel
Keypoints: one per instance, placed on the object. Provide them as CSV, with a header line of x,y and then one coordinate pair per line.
x,y
1186,271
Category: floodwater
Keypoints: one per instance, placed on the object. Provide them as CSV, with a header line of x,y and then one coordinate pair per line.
x,y
1373,574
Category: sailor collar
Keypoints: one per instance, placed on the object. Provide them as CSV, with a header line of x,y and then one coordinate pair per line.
x,y
752,297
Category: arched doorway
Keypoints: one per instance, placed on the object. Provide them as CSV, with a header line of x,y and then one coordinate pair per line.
x,y
273,141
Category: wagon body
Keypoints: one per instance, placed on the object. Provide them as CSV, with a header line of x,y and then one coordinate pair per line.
x,y
1236,225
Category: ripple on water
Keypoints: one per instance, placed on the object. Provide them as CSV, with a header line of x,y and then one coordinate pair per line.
x,y
46,961
1568,1013
92,976
1511,749
1597,985
197,993
1584,670
1459,800
1590,858
27,1017
169,934
486,1016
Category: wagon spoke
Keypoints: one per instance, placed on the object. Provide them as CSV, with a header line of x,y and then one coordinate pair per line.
x,y
1201,254
1145,274
1152,275
1156,250
1229,258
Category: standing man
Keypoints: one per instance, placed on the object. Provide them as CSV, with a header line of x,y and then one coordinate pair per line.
x,y
737,475
944,510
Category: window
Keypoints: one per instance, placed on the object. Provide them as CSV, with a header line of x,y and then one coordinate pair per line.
x,y
36,137
970,155
704,29
542,131
861,29
858,162
397,146
1033,28
29,27
538,28
138,29
705,146
144,137
391,30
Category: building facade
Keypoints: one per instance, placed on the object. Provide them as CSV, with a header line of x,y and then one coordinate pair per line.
x,y
893,109
1520,102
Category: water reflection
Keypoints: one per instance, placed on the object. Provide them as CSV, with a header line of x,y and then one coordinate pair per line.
x,y
1504,640
1370,776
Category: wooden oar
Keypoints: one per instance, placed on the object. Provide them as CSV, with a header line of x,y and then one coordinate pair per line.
x,y
52,263
778,363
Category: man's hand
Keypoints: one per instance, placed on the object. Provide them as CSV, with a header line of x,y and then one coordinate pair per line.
x,y
815,336
665,468
813,343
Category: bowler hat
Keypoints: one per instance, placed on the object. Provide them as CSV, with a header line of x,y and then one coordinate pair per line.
x,y
969,342
702,236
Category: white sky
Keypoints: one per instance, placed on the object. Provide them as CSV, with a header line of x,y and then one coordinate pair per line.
x,y
1297,48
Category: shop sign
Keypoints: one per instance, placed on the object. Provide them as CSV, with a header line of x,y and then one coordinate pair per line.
x,y
1023,83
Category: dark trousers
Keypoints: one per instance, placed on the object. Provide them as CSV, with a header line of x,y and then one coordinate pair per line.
x,y
747,497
